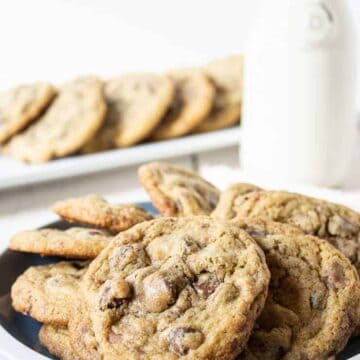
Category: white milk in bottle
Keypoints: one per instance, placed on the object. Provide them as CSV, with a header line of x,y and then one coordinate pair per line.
x,y
299,114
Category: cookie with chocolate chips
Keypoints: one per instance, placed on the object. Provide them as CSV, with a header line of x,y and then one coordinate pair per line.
x,y
136,105
22,105
95,211
229,199
194,96
314,296
47,292
75,243
71,120
227,77
332,222
176,287
176,191
57,340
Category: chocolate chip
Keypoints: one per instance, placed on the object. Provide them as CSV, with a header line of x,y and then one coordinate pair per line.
x,y
335,276
114,294
124,255
160,292
206,285
183,339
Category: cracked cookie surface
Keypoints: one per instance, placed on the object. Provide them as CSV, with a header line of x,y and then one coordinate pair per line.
x,y
332,222
136,105
227,77
57,340
176,287
22,105
193,100
47,292
313,303
176,191
228,201
71,120
96,211
81,333
76,242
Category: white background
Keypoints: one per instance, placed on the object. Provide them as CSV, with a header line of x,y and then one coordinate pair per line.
x,y
59,39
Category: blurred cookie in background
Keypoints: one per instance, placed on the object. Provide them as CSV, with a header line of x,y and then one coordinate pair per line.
x,y
136,105
21,105
71,120
192,103
227,77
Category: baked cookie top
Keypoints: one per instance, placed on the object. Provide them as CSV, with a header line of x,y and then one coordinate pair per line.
x,y
81,333
313,303
174,287
47,292
22,105
193,100
334,223
76,242
71,120
136,105
96,211
57,340
227,77
176,191
228,201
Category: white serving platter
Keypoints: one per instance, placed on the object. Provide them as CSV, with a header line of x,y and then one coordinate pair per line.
x,y
14,173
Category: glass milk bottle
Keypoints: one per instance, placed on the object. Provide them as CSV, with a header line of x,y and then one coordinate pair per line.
x,y
299,117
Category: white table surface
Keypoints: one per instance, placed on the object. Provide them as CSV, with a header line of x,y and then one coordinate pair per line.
x,y
29,207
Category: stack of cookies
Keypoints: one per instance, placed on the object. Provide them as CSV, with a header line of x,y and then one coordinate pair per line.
x,y
39,122
240,274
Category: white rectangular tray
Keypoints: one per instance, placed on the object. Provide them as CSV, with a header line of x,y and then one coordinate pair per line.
x,y
14,173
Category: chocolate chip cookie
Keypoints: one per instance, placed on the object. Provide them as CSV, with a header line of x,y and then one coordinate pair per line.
x,y
176,191
313,302
193,100
227,77
47,292
177,287
228,201
57,340
71,120
136,105
334,223
22,105
95,211
76,243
